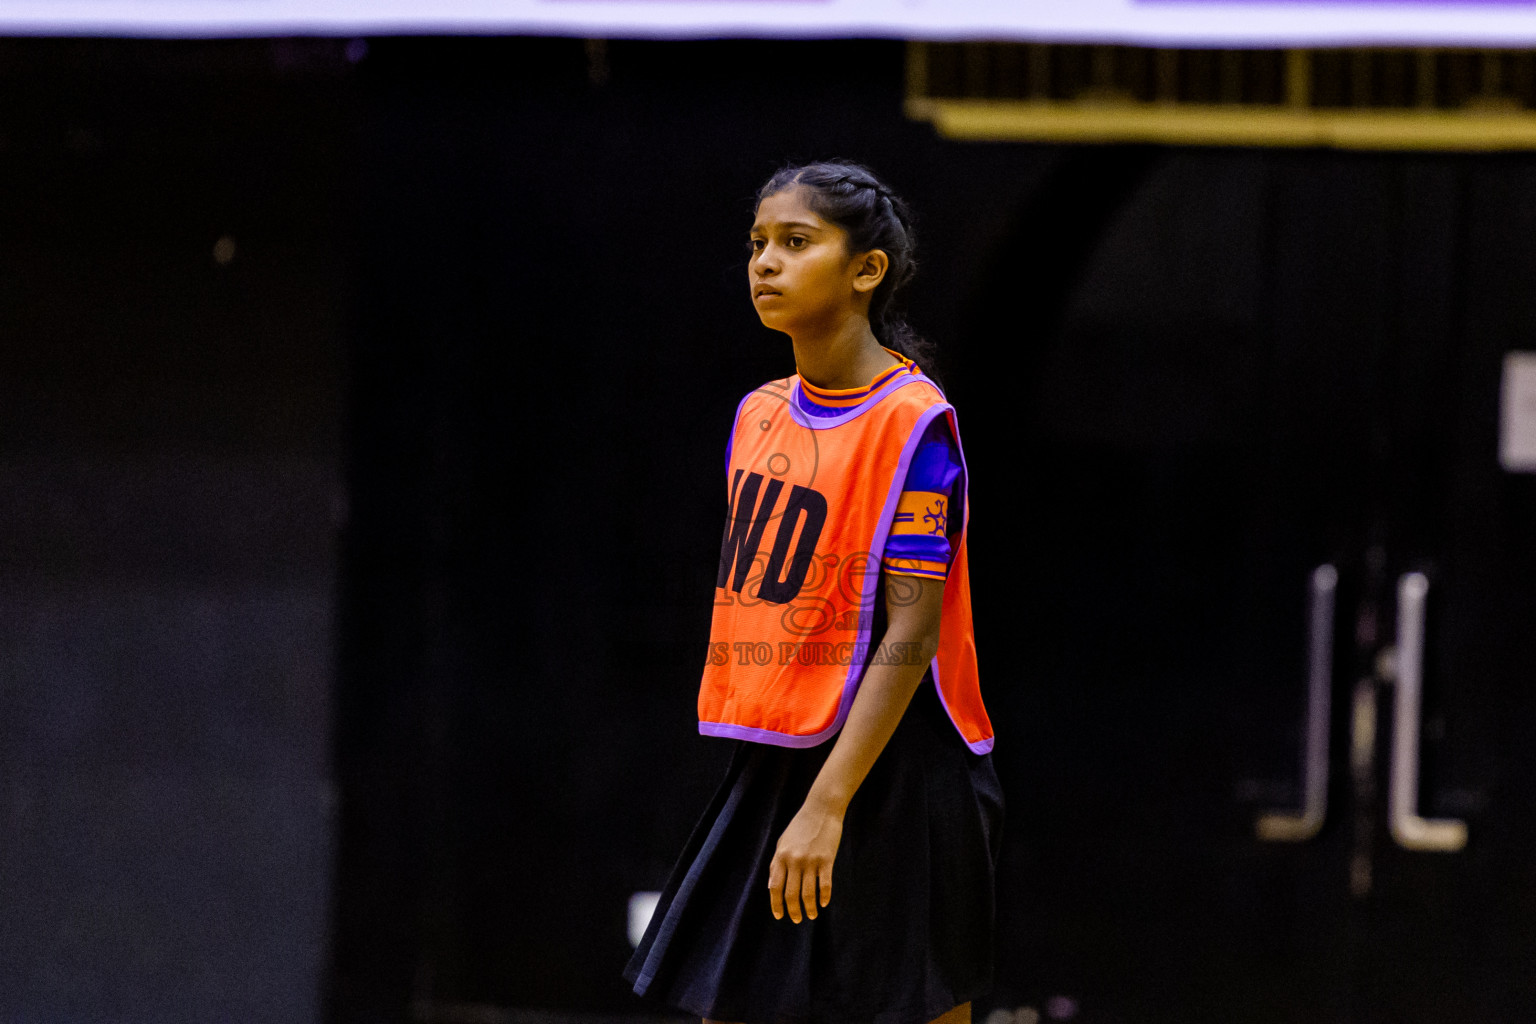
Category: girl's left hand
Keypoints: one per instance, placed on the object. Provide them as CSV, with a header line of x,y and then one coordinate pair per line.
x,y
802,859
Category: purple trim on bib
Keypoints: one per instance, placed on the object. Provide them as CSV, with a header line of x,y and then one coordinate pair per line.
x,y
827,422
980,746
872,580
826,402
777,739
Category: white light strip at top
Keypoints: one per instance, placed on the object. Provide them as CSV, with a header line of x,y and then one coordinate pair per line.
x,y
1198,23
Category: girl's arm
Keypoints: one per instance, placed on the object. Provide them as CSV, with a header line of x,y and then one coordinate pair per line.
x,y
806,849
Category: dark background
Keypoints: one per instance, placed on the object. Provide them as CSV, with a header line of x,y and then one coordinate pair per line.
x,y
357,584
172,477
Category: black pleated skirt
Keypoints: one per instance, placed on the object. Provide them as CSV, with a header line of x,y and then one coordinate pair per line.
x,y
908,934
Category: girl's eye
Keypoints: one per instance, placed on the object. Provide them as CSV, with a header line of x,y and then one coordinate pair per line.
x,y
755,244
796,241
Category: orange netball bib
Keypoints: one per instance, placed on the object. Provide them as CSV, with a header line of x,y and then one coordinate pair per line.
x,y
810,504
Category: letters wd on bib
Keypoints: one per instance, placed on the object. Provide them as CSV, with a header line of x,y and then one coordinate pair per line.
x,y
1225,23
797,599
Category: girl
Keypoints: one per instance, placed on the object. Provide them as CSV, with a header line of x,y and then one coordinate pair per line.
x,y
861,740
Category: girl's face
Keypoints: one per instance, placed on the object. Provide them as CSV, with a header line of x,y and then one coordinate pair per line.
x,y
800,271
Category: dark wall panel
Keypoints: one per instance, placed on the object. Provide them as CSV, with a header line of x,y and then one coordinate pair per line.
x,y
170,492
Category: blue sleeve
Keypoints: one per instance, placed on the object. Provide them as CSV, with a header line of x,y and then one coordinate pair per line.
x,y
919,541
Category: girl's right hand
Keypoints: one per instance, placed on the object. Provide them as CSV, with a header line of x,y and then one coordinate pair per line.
x,y
802,863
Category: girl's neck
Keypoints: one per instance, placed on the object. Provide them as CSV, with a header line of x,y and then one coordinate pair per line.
x,y
842,359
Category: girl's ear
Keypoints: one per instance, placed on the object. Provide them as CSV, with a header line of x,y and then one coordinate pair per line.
x,y
870,269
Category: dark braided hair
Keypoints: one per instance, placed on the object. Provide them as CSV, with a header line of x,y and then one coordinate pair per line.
x,y
849,195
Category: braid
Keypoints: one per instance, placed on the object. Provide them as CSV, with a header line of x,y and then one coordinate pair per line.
x,y
877,188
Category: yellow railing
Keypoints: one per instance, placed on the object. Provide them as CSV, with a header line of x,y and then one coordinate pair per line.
x,y
1357,99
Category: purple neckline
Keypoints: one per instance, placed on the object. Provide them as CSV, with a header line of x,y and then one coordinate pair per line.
x,y
901,380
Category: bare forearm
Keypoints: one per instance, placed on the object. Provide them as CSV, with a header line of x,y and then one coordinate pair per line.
x,y
882,699
800,874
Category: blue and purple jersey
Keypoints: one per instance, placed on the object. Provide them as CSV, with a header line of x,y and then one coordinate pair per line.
x,y
919,541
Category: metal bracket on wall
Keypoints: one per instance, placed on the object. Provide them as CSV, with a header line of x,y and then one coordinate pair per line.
x,y
1286,826
1409,830
1384,99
